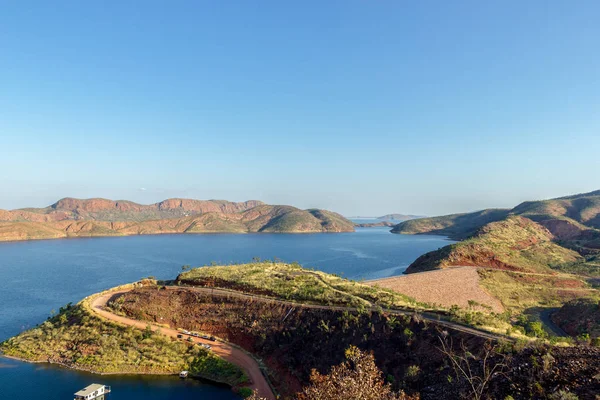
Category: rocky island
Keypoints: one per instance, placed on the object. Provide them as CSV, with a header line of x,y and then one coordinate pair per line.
x,y
100,217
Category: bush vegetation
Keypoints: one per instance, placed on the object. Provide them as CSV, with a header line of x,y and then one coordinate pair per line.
x,y
519,292
76,338
209,366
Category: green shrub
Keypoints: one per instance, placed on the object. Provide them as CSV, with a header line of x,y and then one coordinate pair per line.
x,y
584,339
245,392
79,339
412,373
563,395
212,367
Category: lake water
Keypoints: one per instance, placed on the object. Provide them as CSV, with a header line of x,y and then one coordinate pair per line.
x,y
39,276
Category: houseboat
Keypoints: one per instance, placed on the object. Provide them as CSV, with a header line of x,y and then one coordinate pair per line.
x,y
93,391
183,374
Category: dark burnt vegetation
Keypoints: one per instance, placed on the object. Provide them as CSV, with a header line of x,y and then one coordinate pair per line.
x,y
294,340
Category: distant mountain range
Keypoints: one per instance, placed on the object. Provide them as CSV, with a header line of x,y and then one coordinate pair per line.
x,y
399,217
71,217
392,217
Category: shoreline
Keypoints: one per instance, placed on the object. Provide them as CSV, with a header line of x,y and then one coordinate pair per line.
x,y
95,305
169,233
234,354
73,368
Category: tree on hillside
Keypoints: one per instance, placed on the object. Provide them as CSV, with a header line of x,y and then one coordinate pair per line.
x,y
356,378
476,370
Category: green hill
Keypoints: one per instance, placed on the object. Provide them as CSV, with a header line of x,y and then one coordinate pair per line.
x,y
518,263
456,226
575,214
539,254
292,282
582,208
562,233
571,221
516,244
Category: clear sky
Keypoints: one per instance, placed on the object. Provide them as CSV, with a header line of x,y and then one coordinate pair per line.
x,y
362,107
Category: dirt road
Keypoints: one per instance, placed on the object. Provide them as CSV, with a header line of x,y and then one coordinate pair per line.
x,y
224,350
439,319
242,359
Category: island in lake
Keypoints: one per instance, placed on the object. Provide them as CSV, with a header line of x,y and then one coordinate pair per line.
x,y
101,217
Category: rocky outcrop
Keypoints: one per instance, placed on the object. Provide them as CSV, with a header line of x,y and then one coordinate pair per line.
x,y
95,205
98,209
202,206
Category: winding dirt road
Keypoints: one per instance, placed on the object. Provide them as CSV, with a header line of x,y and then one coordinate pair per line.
x,y
242,359
222,349
438,319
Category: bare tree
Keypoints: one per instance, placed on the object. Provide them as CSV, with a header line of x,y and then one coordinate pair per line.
x,y
477,371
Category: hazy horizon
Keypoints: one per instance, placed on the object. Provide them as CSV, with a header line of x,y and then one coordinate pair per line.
x,y
357,107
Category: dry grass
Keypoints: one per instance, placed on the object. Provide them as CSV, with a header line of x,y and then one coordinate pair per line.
x,y
519,292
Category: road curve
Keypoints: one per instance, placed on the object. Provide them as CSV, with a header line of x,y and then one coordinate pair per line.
x,y
222,349
242,359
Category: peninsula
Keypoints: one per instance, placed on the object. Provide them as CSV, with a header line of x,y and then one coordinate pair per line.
x,y
282,330
70,217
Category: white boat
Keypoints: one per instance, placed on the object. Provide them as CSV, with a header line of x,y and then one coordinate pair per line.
x,y
183,374
93,391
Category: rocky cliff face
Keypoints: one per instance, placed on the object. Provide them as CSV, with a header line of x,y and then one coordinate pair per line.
x,y
201,206
122,210
95,205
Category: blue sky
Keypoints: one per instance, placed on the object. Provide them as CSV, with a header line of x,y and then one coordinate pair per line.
x,y
362,107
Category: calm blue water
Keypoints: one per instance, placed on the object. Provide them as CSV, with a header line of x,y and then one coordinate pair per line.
x,y
39,276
